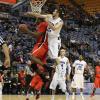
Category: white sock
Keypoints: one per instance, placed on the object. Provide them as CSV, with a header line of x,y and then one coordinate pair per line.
x,y
53,96
82,95
73,96
27,96
67,95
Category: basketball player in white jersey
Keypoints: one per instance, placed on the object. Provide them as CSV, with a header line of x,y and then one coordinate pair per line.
x,y
78,79
55,24
62,72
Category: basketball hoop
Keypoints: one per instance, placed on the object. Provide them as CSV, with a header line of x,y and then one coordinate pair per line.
x,y
36,5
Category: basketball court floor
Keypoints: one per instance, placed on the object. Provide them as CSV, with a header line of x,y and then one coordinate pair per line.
x,y
46,97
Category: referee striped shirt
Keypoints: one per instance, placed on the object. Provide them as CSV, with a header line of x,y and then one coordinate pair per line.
x,y
1,41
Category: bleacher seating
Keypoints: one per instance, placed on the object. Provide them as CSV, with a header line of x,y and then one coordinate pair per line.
x,y
91,6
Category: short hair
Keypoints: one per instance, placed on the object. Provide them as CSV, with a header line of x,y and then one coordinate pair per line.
x,y
58,10
62,48
55,8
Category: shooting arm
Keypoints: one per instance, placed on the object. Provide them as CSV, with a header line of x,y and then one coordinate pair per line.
x,y
35,34
37,15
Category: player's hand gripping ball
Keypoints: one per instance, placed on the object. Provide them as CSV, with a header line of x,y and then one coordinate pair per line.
x,y
23,28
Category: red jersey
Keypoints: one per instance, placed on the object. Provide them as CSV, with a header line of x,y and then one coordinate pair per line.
x,y
97,69
41,28
40,49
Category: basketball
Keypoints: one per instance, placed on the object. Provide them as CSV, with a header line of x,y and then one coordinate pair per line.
x,y
23,27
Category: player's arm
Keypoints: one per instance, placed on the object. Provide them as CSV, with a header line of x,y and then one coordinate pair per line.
x,y
7,56
57,26
56,62
6,52
86,68
37,15
68,70
73,68
2,81
26,30
35,34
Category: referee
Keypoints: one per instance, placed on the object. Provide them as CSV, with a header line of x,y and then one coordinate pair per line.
x,y
3,45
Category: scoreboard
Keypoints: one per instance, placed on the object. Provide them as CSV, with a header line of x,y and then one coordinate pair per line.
x,y
8,1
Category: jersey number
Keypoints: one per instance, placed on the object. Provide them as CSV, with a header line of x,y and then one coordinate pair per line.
x,y
62,66
79,67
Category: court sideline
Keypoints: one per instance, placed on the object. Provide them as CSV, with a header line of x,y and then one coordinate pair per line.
x,y
45,97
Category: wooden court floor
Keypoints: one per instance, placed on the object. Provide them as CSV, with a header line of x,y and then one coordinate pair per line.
x,y
45,97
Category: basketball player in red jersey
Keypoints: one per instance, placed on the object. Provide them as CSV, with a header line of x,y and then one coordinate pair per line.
x,y
41,47
97,78
38,56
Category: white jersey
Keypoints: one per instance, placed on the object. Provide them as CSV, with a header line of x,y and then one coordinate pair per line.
x,y
54,33
62,67
79,66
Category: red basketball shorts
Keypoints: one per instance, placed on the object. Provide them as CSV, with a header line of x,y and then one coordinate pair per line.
x,y
36,82
97,82
40,51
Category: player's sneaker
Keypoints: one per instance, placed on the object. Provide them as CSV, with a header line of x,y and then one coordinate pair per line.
x,y
92,95
37,96
27,98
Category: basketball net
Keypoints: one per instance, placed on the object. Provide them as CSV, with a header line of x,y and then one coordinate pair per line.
x,y
36,5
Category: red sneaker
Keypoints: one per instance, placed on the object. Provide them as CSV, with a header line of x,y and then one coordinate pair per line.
x,y
37,96
92,95
27,98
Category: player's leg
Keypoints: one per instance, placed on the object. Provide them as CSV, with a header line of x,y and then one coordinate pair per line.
x,y
38,87
62,85
32,85
28,92
0,91
81,85
53,94
93,92
74,86
73,93
53,86
36,60
96,83
81,93
38,55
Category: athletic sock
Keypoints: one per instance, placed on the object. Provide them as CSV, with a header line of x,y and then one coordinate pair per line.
x,y
52,97
27,96
67,95
82,95
73,96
